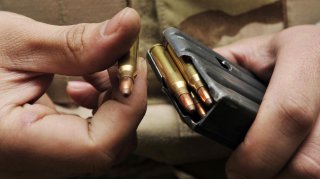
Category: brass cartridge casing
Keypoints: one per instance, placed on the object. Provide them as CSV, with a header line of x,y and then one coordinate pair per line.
x,y
200,110
191,76
127,66
172,76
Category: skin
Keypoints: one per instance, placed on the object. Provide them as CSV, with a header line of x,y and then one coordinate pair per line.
x,y
284,140
36,141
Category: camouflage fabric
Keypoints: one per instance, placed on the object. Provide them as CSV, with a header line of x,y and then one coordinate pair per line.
x,y
213,22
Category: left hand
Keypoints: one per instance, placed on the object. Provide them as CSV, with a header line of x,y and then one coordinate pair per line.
x,y
284,140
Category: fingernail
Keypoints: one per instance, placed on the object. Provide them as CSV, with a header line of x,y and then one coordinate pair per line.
x,y
112,25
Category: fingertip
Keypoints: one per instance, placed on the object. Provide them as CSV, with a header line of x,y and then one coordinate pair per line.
x,y
100,80
126,22
77,85
104,43
226,53
131,21
83,93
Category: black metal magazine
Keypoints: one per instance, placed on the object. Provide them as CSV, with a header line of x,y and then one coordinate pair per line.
x,y
236,91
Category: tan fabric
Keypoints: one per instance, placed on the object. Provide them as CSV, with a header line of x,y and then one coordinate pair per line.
x,y
172,13
216,28
65,11
303,12
79,11
44,11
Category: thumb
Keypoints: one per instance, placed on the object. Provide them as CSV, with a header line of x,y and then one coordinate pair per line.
x,y
78,49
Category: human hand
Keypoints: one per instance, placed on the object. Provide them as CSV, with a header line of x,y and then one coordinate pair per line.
x,y
35,139
284,140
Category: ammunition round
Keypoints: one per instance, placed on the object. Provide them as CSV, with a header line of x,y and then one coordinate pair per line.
x,y
191,75
127,69
172,76
200,110
126,85
204,96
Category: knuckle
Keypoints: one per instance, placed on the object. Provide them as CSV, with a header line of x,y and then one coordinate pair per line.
x,y
74,40
297,115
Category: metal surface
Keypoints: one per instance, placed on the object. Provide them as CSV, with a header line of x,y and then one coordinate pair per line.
x,y
127,69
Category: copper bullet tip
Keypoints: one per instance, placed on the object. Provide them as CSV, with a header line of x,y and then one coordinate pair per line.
x,y
187,102
205,96
200,110
208,101
126,85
